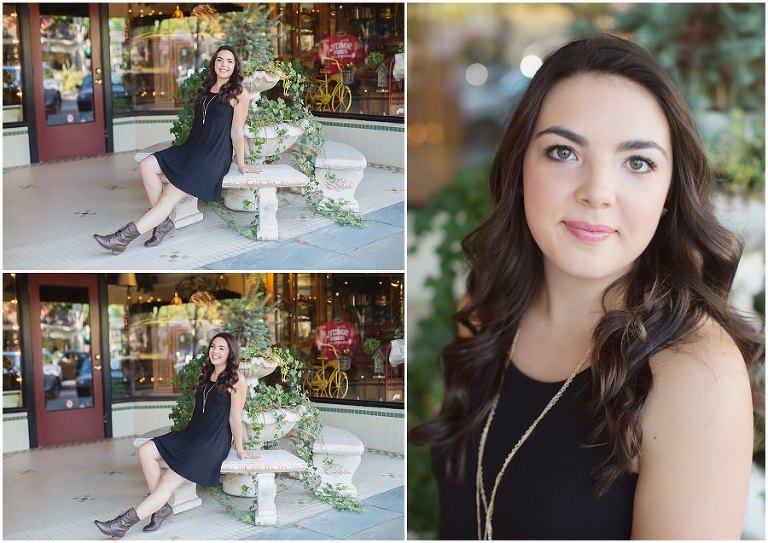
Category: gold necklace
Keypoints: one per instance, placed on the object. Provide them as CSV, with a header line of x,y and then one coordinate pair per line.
x,y
205,395
205,106
480,496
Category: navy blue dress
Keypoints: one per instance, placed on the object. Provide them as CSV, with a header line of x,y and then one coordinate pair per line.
x,y
548,489
196,453
199,165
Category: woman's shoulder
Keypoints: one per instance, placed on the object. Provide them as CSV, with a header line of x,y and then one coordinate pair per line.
x,y
700,383
243,97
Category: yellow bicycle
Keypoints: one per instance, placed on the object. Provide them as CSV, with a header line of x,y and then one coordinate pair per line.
x,y
329,93
326,379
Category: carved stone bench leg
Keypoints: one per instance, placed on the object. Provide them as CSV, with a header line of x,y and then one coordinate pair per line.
x,y
185,498
187,212
340,185
267,228
267,512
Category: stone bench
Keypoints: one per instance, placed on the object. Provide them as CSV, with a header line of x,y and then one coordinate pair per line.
x,y
264,183
336,457
338,173
263,468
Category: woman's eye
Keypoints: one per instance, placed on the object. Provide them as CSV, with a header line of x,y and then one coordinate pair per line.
x,y
639,164
561,153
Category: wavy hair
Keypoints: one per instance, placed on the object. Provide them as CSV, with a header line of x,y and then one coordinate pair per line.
x,y
683,276
229,375
229,90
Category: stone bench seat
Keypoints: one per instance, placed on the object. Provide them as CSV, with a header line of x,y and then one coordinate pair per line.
x,y
336,457
263,468
264,183
338,173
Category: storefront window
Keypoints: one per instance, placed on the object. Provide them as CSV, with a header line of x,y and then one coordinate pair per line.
x,y
352,54
348,330
12,363
159,322
12,77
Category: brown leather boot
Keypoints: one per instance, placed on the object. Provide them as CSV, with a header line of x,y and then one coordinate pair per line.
x,y
158,517
118,241
118,525
159,232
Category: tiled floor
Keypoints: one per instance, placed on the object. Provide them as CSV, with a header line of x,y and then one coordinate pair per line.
x,y
56,492
50,211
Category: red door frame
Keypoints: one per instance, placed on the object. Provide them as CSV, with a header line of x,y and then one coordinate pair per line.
x,y
68,425
69,140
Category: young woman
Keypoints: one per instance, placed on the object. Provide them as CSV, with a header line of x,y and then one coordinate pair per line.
x,y
195,453
597,387
198,166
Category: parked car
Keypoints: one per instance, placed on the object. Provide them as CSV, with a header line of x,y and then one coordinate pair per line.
x,y
84,381
85,94
51,377
12,89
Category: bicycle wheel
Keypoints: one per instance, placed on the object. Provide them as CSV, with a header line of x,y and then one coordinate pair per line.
x,y
338,384
341,99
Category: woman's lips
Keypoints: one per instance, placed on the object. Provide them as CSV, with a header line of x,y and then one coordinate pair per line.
x,y
588,232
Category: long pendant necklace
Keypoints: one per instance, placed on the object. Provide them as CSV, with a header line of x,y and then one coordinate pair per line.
x,y
205,395
481,502
205,105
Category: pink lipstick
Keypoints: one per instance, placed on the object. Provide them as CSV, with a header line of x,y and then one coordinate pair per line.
x,y
588,232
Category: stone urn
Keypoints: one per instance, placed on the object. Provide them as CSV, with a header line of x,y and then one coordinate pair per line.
x,y
258,82
270,140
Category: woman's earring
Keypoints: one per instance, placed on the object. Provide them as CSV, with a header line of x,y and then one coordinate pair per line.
x,y
663,211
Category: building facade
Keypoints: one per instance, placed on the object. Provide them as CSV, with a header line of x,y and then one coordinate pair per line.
x,y
86,79
89,356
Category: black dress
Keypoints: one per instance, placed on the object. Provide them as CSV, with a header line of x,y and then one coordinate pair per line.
x,y
199,165
547,491
196,453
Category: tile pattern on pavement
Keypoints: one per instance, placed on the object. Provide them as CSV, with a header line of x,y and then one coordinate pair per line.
x,y
51,210
73,485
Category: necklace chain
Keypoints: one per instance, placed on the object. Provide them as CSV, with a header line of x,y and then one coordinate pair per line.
x,y
205,105
206,393
480,496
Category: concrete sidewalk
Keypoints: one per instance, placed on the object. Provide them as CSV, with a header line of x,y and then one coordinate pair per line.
x,y
51,210
55,493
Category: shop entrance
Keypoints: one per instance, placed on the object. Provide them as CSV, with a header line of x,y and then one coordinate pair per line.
x,y
69,395
68,80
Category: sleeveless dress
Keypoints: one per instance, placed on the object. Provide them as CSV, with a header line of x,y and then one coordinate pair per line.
x,y
196,453
547,491
199,165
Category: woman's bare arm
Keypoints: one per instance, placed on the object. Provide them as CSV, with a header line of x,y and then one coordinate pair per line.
x,y
236,416
696,453
238,122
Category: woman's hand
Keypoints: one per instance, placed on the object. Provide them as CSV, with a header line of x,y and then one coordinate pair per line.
x,y
247,168
243,454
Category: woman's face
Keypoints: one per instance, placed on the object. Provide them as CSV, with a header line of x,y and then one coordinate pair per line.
x,y
218,352
596,174
224,64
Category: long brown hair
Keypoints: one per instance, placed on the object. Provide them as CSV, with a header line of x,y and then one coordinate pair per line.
x,y
229,90
229,376
682,277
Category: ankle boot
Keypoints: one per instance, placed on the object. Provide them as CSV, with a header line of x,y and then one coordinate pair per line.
x,y
118,241
158,517
159,232
118,525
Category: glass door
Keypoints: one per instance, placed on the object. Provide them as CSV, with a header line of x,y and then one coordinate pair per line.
x,y
68,80
69,400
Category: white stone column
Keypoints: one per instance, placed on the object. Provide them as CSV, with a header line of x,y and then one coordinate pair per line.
x,y
267,229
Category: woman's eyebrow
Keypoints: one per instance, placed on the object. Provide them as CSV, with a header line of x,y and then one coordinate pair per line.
x,y
632,145
636,145
564,132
